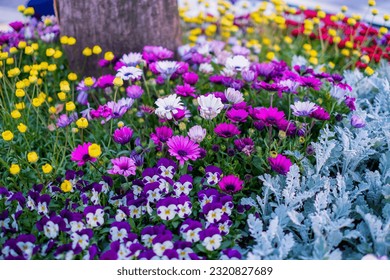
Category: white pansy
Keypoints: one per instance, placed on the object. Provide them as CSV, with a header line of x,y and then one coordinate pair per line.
x,y
167,213
212,243
159,248
51,230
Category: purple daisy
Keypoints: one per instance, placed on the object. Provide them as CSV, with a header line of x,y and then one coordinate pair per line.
x,y
124,166
239,115
183,149
280,164
226,130
231,184
122,135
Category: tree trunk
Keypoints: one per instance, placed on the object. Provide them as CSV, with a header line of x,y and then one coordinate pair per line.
x,y
120,26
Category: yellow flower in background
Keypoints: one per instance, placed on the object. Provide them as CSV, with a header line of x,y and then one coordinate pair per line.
x,y
75,130
371,3
365,59
64,86
57,54
64,40
52,67
22,128
61,95
47,168
96,49
15,114
66,186
36,102
21,8
13,72
7,135
20,105
20,93
14,169
94,150
10,61
29,11
32,157
82,123
29,50
71,41
52,110
88,81
72,76
270,55
50,52
22,44
70,106
369,71
87,51
118,82
120,124
108,56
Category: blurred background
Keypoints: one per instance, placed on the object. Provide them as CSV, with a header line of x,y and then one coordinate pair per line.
x,y
9,13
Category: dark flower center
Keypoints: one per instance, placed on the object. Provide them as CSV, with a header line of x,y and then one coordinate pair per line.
x,y
230,187
86,157
182,153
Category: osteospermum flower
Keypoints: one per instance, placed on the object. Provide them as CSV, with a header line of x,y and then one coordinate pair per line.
x,y
237,63
124,166
122,135
129,73
197,133
231,184
303,109
183,149
226,130
167,68
280,164
168,106
234,96
81,155
210,106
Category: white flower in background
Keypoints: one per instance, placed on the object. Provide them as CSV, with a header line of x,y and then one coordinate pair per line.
x,y
118,234
120,215
234,96
197,133
81,240
51,230
27,248
303,109
237,63
167,68
210,106
95,219
206,68
212,243
298,60
76,226
168,106
131,59
129,73
338,93
192,235
159,248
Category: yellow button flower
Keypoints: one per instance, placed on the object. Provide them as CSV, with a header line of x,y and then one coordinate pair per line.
x,y
20,93
64,40
118,82
66,186
61,95
94,150
47,168
109,56
72,76
7,135
70,106
14,169
32,157
71,41
88,81
87,51
15,114
82,123
96,49
22,128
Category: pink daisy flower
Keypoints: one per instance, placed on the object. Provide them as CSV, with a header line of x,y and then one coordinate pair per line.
x,y
231,184
280,164
124,166
226,130
183,149
81,155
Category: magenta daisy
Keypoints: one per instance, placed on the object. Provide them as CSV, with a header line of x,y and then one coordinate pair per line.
x,y
124,166
231,184
183,149
270,116
280,164
80,154
226,130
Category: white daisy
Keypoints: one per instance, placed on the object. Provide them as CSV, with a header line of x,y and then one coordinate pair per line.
x,y
197,133
131,59
303,109
206,68
129,73
234,96
210,106
237,63
167,68
168,106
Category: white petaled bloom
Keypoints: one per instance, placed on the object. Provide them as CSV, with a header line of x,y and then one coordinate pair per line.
x,y
214,216
166,171
206,68
147,239
95,219
227,208
154,195
197,133
118,234
212,178
81,240
51,230
27,248
95,197
159,248
168,106
123,253
135,212
184,253
120,215
180,188
129,72
30,204
5,223
76,226
237,63
303,109
105,187
137,190
42,208
167,213
164,185
192,235
210,106
338,93
234,96
149,179
184,210
228,72
131,59
166,68
213,242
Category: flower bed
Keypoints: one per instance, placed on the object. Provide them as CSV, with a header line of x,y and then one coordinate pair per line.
x,y
268,139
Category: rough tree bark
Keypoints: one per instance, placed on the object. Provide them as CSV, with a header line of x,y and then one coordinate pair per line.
x,y
119,26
